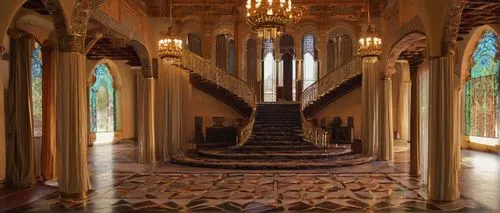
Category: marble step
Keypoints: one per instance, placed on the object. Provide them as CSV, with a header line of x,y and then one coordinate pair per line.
x,y
275,164
284,155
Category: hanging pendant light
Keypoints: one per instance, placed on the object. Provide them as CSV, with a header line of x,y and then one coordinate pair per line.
x,y
370,45
169,46
269,18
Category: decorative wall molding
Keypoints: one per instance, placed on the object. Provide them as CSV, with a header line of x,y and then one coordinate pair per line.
x,y
451,25
125,29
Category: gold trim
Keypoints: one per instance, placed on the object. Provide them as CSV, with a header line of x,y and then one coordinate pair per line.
x,y
71,43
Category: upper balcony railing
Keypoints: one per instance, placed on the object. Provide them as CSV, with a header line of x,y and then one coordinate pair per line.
x,y
331,81
206,69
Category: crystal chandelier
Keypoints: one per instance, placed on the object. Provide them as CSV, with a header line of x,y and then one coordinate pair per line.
x,y
169,46
371,44
269,18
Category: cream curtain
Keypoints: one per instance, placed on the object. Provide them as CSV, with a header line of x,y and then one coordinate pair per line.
x,y
369,101
386,145
444,146
172,111
19,124
48,161
72,123
146,119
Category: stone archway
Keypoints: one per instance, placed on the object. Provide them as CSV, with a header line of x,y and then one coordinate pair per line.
x,y
97,86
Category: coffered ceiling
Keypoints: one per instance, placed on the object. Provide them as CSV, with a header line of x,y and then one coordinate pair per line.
x,y
352,10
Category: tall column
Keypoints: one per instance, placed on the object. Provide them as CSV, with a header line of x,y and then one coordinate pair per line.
x,y
146,151
415,124
386,146
369,101
48,158
298,69
444,146
404,99
72,119
259,81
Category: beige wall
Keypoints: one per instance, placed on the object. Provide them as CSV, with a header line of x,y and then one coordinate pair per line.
x,y
346,106
127,93
206,106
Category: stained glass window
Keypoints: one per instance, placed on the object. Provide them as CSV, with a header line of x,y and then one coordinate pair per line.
x,y
310,64
102,97
482,89
36,89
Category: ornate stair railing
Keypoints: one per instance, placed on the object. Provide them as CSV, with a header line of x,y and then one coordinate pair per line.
x,y
323,86
221,78
330,82
206,69
314,135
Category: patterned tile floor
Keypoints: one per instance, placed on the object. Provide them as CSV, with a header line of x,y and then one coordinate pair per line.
x,y
120,185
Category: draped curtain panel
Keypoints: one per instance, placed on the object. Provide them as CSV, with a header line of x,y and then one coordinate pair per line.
x,y
48,162
72,131
19,128
172,111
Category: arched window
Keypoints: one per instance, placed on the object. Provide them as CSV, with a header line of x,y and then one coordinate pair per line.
x,y
103,100
194,43
269,72
36,89
339,51
482,89
310,63
231,66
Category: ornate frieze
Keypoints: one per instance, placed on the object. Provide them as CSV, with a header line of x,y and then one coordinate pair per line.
x,y
71,43
451,24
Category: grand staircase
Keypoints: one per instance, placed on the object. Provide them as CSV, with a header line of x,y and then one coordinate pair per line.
x,y
277,142
274,135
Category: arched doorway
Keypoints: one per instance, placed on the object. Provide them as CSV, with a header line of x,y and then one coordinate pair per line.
x,y
103,104
481,91
288,76
269,72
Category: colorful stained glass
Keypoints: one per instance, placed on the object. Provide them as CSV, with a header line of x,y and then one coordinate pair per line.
x,y
482,89
310,66
102,97
36,89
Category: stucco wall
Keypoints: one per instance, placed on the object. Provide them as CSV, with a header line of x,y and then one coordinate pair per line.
x,y
346,106
206,106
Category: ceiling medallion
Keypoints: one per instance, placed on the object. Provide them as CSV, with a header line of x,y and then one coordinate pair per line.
x,y
269,18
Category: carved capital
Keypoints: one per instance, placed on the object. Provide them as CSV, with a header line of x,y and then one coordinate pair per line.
x,y
71,43
452,23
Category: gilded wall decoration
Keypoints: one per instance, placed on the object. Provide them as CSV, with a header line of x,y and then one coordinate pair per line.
x,y
451,24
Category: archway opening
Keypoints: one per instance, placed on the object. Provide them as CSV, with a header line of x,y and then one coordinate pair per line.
x,y
269,77
481,92
103,99
310,62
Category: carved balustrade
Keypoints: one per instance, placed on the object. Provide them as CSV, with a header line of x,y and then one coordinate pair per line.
x,y
206,69
331,81
326,84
